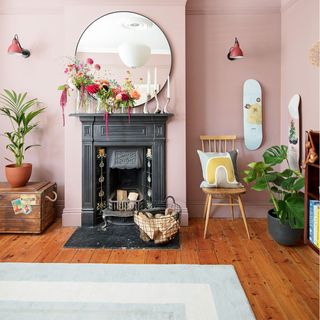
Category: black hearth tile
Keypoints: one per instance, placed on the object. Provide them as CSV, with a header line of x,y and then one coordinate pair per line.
x,y
114,237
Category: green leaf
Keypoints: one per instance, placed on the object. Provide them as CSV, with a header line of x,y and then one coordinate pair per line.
x,y
252,164
31,146
295,206
279,180
282,211
32,115
250,176
299,184
287,173
63,86
275,155
260,185
270,176
287,184
275,189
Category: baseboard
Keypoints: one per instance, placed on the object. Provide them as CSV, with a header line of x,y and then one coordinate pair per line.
x,y
59,207
252,209
194,209
184,218
71,217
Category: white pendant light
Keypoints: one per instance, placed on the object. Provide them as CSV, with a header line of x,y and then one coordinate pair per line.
x,y
134,55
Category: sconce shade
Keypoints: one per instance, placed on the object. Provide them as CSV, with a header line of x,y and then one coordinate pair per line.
x,y
235,52
134,55
15,48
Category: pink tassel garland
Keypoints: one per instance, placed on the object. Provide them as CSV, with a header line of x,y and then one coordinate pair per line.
x,y
63,102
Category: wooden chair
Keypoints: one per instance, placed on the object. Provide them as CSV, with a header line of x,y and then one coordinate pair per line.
x,y
221,144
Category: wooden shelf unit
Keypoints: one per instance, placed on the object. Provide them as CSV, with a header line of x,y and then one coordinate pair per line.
x,y
311,186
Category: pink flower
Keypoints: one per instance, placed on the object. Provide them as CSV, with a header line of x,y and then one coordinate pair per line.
x,y
97,67
92,88
124,96
66,70
89,61
119,97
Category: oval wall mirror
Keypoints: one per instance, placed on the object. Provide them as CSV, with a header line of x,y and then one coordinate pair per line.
x,y
125,41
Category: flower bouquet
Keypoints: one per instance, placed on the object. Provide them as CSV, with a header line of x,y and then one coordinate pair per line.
x,y
79,76
110,95
126,95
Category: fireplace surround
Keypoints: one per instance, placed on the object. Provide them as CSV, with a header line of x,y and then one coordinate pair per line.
x,y
141,132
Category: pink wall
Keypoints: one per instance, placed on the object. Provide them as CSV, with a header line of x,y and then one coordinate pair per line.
x,y
299,30
51,30
214,84
38,75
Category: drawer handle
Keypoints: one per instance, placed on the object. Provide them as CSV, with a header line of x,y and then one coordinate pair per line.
x,y
53,199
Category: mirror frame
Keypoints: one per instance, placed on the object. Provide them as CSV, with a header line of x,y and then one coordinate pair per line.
x,y
126,11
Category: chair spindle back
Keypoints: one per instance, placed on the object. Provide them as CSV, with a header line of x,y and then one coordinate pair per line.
x,y
218,143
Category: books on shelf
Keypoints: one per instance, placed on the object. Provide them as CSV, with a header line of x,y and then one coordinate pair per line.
x,y
314,222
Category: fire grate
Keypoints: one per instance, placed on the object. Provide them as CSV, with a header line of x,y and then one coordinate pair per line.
x,y
125,204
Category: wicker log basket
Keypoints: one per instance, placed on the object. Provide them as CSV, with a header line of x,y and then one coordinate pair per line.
x,y
159,225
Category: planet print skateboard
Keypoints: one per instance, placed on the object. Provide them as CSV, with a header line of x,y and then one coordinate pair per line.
x,y
252,114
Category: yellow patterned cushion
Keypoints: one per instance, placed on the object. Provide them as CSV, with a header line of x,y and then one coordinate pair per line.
x,y
218,170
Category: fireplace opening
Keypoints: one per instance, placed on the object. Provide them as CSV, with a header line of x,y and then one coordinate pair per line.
x,y
126,179
127,182
126,191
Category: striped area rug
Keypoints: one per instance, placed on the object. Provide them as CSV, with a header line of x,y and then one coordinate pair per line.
x,y
121,292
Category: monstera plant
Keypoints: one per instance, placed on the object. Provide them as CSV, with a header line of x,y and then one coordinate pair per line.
x,y
18,111
286,219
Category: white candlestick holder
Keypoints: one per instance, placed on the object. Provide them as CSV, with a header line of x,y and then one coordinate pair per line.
x,y
157,110
145,107
165,108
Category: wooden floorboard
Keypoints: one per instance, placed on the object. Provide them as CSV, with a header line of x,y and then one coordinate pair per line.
x,y
280,282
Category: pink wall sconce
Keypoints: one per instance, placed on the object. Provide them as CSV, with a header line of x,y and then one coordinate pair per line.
x,y
15,48
235,52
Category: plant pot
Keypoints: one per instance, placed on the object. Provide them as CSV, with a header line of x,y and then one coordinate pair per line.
x,y
18,176
282,232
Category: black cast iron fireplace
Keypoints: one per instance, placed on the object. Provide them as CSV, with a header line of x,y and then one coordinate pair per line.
x,y
130,156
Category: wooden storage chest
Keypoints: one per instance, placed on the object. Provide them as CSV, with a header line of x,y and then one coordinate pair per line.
x,y
40,196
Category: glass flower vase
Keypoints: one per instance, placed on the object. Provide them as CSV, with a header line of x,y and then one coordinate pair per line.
x,y
84,103
100,106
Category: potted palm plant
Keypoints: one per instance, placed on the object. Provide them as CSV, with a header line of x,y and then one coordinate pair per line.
x,y
15,107
286,219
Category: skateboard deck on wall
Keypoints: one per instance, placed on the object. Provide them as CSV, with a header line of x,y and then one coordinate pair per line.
x,y
252,114
294,133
